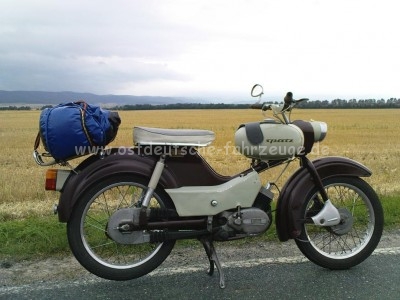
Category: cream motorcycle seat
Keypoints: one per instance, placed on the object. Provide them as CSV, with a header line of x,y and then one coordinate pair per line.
x,y
172,137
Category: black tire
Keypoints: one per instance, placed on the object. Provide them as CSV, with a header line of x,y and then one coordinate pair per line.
x,y
351,242
88,238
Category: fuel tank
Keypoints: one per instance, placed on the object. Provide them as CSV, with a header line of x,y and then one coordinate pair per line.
x,y
269,140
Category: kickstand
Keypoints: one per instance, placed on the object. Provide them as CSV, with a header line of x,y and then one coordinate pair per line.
x,y
213,259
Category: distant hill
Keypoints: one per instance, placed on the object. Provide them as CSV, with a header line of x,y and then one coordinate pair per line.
x,y
52,98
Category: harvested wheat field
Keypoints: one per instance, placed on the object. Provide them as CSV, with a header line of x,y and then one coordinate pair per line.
x,y
369,136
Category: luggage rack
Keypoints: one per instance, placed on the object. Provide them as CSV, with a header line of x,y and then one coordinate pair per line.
x,y
38,159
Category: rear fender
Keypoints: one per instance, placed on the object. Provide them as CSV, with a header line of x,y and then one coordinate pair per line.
x,y
96,168
294,193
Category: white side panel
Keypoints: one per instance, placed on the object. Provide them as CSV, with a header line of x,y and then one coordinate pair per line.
x,y
210,200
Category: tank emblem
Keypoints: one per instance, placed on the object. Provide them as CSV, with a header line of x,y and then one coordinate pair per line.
x,y
279,141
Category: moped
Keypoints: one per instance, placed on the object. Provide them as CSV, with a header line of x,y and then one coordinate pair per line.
x,y
126,209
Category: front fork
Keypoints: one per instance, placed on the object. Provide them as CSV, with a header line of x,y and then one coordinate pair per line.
x,y
329,215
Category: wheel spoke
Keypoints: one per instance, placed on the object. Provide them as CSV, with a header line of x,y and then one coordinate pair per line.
x,y
95,225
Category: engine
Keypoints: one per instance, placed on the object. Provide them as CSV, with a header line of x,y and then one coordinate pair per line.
x,y
242,223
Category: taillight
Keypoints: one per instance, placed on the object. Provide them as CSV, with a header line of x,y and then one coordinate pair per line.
x,y
51,180
55,179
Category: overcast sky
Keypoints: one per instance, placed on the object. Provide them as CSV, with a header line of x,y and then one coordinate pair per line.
x,y
204,48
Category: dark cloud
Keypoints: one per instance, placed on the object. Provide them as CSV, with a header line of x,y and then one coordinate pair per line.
x,y
78,46
35,72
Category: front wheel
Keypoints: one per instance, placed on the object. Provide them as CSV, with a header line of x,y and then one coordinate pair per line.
x,y
87,230
354,239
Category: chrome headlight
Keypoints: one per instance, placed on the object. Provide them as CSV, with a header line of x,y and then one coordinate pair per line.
x,y
320,130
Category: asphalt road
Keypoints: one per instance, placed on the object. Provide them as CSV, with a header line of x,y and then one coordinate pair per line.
x,y
267,278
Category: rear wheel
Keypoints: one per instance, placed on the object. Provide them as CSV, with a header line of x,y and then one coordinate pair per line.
x,y
87,230
353,240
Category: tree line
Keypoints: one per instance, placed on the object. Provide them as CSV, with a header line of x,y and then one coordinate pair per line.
x,y
337,103
353,103
15,108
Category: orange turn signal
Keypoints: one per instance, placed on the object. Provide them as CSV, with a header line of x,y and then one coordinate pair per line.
x,y
51,180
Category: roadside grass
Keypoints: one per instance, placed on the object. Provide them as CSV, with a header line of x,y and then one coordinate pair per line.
x,y
41,237
31,238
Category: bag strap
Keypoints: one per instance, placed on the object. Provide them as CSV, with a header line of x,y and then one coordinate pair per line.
x,y
83,115
37,142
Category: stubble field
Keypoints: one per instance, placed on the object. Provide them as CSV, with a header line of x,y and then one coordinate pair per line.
x,y
371,137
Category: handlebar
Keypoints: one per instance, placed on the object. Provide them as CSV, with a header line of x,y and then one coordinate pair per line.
x,y
289,102
277,110
257,106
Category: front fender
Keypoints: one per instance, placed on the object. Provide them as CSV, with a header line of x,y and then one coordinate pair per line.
x,y
294,193
96,168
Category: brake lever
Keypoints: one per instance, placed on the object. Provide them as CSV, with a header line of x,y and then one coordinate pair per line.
x,y
300,100
261,106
